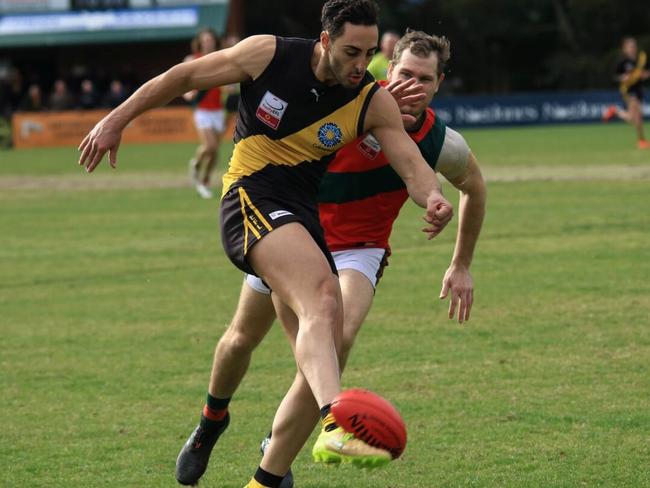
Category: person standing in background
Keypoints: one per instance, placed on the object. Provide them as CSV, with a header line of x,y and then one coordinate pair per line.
x,y
88,97
61,98
378,67
209,118
33,99
115,95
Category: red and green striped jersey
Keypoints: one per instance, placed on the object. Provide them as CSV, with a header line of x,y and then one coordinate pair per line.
x,y
361,195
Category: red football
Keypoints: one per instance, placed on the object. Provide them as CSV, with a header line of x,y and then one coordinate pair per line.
x,y
371,418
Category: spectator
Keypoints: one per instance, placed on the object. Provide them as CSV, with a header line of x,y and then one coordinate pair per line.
x,y
378,67
33,99
115,95
61,98
88,96
10,92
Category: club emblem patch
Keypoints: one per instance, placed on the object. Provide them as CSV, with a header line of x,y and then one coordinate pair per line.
x,y
271,109
369,147
330,135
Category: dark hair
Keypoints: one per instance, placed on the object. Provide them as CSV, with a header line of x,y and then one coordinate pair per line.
x,y
195,44
336,13
422,45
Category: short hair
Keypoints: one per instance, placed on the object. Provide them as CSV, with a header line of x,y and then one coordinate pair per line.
x,y
195,44
628,39
422,45
336,13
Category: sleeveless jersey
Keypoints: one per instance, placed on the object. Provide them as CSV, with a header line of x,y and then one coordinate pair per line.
x,y
290,124
634,67
208,99
361,195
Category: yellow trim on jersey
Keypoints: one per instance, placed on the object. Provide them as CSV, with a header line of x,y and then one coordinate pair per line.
x,y
253,153
635,74
245,201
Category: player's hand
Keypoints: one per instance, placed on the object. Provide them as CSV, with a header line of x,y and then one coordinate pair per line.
x,y
439,213
102,139
406,92
459,281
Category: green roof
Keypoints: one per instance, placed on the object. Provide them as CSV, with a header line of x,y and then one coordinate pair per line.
x,y
130,25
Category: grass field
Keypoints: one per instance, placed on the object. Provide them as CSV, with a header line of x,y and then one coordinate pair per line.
x,y
114,290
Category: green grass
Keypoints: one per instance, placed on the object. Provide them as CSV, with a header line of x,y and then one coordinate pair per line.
x,y
111,301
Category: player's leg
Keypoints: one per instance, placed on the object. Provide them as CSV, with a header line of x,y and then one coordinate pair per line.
x,y
635,111
307,297
216,129
205,156
251,322
200,123
288,434
298,272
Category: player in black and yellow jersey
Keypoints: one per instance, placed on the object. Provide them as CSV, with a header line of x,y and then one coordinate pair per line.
x,y
631,72
301,101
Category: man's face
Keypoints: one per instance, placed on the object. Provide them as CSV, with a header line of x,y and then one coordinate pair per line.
x,y
629,48
388,42
207,42
350,53
425,72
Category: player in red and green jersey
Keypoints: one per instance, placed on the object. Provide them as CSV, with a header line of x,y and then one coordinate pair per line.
x,y
360,197
209,118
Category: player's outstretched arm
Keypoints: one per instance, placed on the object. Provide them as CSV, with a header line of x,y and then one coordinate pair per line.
x,y
246,60
460,167
384,120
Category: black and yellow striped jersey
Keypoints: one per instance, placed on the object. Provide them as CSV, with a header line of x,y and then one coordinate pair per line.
x,y
290,124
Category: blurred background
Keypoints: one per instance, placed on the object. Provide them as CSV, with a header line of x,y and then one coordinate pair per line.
x,y
513,61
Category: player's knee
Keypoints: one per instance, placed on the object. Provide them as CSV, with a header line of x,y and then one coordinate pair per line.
x,y
210,148
239,341
329,297
325,305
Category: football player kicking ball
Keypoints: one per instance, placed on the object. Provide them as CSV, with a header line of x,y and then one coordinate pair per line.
x,y
301,101
360,198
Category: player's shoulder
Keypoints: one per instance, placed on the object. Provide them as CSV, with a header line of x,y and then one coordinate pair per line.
x,y
453,160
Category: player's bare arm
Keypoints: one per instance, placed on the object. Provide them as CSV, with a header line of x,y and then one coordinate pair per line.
x,y
244,61
384,120
460,167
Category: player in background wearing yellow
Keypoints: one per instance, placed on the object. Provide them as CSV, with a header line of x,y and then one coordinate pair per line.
x,y
631,72
301,101
378,67
209,118
360,198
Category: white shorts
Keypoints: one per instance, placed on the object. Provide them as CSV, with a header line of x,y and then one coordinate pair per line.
x,y
370,262
210,119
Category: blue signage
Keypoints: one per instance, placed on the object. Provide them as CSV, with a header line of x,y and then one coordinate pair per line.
x,y
526,108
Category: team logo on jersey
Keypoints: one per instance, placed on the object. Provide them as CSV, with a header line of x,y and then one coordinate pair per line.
x,y
279,213
330,135
369,147
271,109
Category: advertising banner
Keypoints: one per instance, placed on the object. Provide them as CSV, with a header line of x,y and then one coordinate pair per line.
x,y
49,129
526,108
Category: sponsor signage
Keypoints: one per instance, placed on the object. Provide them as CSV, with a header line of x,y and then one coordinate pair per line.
x,y
526,108
49,129
8,6
99,21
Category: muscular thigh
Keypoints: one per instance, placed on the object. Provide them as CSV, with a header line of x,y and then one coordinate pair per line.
x,y
293,265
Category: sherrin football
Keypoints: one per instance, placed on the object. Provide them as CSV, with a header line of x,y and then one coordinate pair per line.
x,y
370,418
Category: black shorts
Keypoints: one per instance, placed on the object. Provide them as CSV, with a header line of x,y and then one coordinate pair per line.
x,y
248,215
635,91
